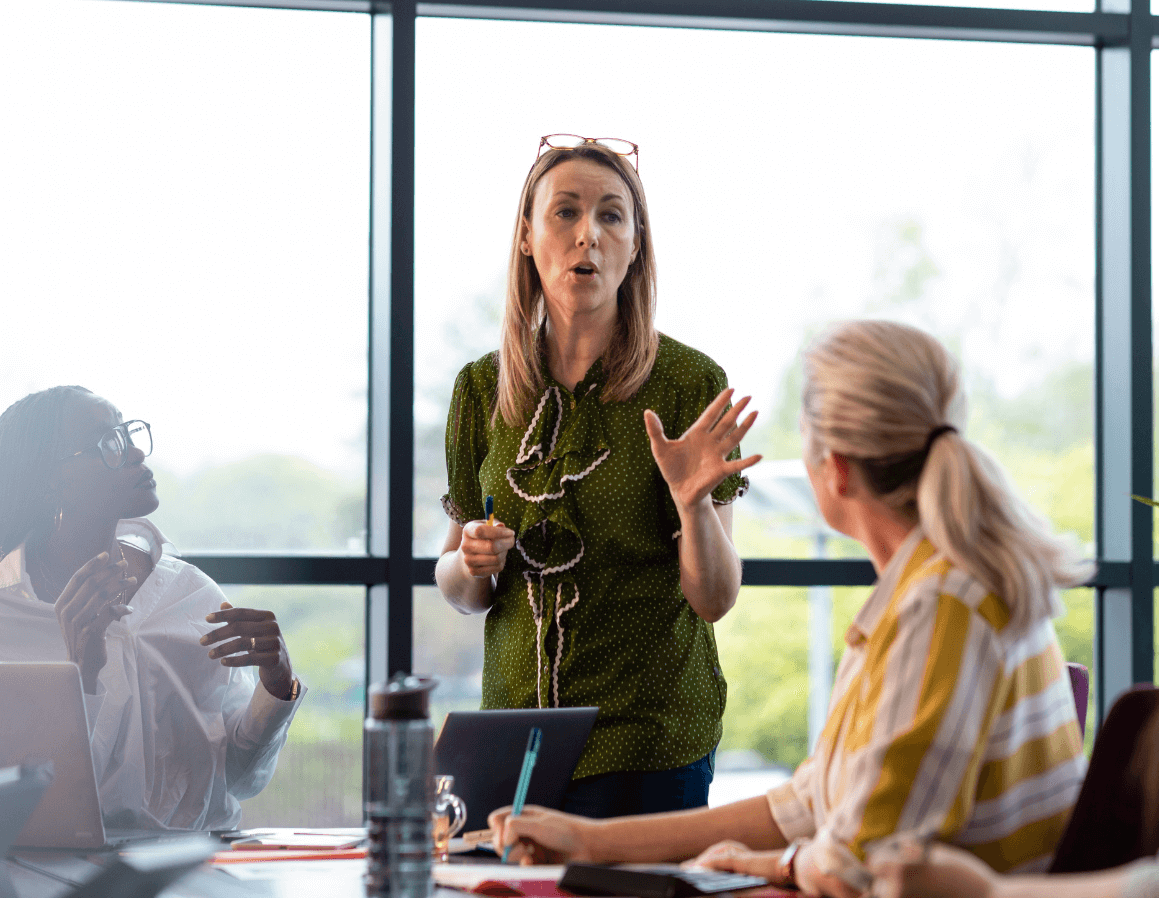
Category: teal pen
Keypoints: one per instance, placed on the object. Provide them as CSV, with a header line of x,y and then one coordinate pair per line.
x,y
529,758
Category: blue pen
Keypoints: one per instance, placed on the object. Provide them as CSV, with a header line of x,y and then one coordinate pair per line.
x,y
529,758
489,509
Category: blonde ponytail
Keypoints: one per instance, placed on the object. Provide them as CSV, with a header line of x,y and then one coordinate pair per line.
x,y
888,397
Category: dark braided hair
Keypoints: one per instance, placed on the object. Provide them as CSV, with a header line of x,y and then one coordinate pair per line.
x,y
29,449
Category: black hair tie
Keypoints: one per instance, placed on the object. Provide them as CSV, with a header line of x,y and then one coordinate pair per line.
x,y
937,432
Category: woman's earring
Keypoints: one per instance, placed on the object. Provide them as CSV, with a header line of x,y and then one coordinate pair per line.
x,y
525,249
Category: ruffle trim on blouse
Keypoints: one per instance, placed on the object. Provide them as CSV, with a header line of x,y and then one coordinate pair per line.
x,y
551,459
740,491
453,511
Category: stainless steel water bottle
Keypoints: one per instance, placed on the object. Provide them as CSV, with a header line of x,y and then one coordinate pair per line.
x,y
400,792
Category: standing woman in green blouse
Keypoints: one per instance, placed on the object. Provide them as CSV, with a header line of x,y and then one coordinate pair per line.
x,y
612,453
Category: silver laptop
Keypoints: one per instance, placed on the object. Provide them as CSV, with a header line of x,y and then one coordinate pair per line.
x,y
20,791
42,718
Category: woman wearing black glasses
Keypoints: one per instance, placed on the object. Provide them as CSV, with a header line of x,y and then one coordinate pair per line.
x,y
179,729
612,455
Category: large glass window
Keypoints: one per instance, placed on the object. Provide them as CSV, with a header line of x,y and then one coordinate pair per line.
x,y
793,181
319,775
184,229
797,180
184,232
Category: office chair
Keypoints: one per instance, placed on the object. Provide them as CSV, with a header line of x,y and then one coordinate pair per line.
x,y
1108,827
1080,685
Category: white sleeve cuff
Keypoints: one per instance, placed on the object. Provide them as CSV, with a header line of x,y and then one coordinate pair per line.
x,y
266,715
835,858
789,806
93,706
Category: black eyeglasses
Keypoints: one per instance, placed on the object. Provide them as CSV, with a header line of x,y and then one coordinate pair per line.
x,y
574,141
114,443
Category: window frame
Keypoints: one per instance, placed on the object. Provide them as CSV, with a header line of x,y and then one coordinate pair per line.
x,y
1123,34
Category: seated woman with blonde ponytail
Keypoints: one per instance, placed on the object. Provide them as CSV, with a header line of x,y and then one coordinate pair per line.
x,y
952,716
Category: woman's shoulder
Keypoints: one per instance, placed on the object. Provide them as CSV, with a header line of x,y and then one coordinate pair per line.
x,y
484,369
478,378
938,579
682,363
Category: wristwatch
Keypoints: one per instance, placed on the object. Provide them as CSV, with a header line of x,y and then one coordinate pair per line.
x,y
788,873
295,689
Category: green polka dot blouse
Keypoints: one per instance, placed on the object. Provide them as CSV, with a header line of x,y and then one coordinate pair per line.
x,y
588,610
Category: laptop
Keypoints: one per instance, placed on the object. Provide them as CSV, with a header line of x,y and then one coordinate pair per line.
x,y
21,788
483,751
42,718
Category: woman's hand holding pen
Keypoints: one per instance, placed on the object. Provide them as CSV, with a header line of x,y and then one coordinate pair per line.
x,y
484,547
252,637
473,553
695,464
540,836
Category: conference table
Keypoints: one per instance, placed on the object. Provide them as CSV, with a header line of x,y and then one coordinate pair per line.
x,y
44,873
52,875
56,874
334,873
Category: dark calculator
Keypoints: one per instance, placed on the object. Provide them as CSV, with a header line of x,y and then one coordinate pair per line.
x,y
659,881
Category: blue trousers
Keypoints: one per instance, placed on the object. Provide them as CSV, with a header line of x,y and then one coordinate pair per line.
x,y
634,792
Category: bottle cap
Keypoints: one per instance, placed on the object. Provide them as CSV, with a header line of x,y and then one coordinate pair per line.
x,y
405,697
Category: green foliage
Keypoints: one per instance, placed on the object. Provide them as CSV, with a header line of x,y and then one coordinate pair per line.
x,y
1042,436
265,502
322,627
904,267
763,645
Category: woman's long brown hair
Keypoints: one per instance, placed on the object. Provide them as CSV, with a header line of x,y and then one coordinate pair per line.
x,y
632,351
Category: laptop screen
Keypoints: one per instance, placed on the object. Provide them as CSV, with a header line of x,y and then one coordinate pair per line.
x,y
483,751
42,706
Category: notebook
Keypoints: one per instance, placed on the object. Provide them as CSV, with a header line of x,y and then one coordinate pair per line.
x,y
483,751
43,712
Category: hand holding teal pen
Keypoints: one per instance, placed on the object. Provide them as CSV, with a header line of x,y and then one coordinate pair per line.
x,y
529,759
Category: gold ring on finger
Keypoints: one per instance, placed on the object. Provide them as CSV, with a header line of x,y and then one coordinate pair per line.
x,y
253,643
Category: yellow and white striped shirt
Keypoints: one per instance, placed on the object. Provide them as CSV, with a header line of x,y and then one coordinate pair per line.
x,y
943,723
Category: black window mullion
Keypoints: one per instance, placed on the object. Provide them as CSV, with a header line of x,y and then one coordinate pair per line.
x,y
401,518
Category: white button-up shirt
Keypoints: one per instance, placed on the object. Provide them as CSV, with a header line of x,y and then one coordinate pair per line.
x,y
178,739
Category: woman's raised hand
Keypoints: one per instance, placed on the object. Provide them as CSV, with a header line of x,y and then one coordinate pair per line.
x,y
484,547
695,464
252,637
86,606
540,836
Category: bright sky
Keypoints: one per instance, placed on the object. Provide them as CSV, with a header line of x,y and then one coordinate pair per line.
x,y
184,226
